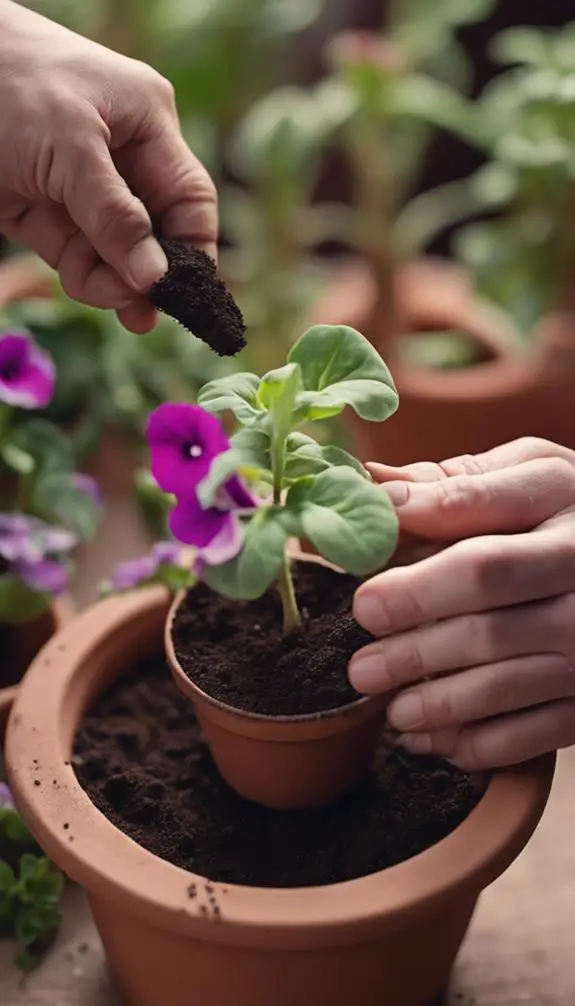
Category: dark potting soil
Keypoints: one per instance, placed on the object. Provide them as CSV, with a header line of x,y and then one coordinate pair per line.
x,y
192,293
141,759
238,653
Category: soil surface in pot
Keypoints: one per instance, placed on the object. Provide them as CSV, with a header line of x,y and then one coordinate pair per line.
x,y
237,653
11,666
140,757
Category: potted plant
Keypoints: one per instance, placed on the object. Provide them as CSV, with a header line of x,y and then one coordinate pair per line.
x,y
199,893
516,261
30,885
46,509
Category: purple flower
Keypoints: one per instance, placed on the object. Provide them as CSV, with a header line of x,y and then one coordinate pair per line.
x,y
35,552
184,442
27,373
6,800
89,487
135,572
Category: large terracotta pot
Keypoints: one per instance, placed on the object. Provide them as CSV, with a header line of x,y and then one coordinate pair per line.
x,y
513,393
389,939
28,640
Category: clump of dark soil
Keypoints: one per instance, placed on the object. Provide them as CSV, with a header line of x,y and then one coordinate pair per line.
x,y
238,653
192,293
144,764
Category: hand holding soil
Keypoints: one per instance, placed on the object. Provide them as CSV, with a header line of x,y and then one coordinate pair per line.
x,y
90,153
479,636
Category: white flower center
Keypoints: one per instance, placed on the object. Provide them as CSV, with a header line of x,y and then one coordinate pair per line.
x,y
195,451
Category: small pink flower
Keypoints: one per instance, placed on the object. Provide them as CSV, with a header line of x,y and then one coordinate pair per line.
x,y
27,373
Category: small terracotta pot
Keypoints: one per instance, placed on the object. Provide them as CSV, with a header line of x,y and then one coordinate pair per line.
x,y
388,939
285,762
29,638
514,392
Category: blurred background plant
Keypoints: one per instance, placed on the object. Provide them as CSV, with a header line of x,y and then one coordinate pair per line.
x,y
524,256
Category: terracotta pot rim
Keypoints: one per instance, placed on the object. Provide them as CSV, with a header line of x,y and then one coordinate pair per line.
x,y
103,858
243,719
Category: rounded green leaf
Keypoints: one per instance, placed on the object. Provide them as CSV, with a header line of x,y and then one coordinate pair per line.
x,y
237,393
306,457
349,520
257,566
340,367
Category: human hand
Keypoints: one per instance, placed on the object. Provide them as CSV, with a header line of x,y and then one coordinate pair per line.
x,y
90,154
478,641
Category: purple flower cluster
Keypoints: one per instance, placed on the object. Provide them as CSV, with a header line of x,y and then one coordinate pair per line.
x,y
35,552
6,800
27,373
184,442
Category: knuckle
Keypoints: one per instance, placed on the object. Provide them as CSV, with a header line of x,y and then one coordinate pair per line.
x,y
494,570
120,211
533,447
457,495
157,86
557,470
464,464
407,664
437,704
470,753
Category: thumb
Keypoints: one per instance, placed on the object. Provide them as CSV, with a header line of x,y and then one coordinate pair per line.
x,y
512,500
113,219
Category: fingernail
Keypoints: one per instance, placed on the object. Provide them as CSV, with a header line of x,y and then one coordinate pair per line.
x,y
398,492
367,674
146,264
406,712
417,744
369,611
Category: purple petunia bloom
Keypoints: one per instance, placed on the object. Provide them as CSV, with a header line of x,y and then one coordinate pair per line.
x,y
87,485
34,551
27,373
184,442
6,799
134,572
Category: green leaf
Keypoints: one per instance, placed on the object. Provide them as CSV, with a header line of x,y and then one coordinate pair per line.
x,y
340,367
49,447
55,497
12,825
524,45
278,394
18,602
17,460
7,878
349,520
306,457
254,448
222,468
257,566
237,393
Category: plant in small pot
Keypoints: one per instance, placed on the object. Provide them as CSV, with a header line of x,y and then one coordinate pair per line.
x,y
421,314
199,894
46,509
30,887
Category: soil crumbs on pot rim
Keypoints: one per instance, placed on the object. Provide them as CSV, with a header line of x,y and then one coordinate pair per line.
x,y
143,763
237,653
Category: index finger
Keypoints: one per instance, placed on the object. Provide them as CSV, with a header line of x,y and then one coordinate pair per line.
x,y
174,186
506,456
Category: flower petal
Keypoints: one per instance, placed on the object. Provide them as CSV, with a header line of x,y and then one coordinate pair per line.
x,y
27,373
133,572
46,576
225,546
165,553
184,440
239,494
87,485
6,799
192,525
